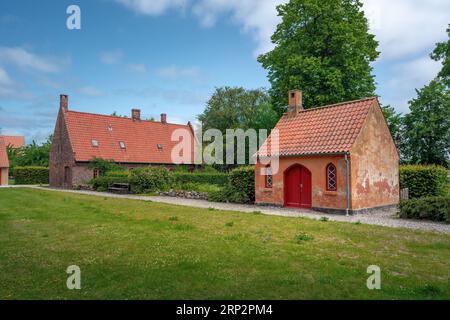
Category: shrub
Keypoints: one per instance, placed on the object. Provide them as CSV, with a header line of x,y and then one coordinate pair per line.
x,y
31,175
102,183
423,181
200,177
104,166
242,184
123,173
150,179
432,208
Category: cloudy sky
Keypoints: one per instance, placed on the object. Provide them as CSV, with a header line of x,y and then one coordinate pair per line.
x,y
169,55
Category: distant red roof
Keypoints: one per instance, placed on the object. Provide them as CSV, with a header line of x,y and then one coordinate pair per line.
x,y
4,162
14,141
101,136
324,130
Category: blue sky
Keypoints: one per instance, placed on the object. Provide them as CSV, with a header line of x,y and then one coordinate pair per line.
x,y
169,55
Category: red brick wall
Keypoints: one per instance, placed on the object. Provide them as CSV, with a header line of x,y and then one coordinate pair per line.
x,y
61,155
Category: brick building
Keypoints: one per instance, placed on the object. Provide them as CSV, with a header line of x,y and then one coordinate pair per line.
x,y
338,158
132,142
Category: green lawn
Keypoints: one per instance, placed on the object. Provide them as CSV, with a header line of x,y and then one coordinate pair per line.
x,y
138,250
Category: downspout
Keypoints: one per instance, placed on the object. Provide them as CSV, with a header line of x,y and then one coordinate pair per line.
x,y
347,182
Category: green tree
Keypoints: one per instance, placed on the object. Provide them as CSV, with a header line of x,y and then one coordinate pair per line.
x,y
238,108
427,126
323,48
31,155
442,53
394,121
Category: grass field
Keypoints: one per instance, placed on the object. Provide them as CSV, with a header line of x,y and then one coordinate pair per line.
x,y
138,250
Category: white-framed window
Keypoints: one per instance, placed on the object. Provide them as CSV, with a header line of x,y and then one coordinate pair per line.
x,y
269,177
159,146
94,143
122,145
331,177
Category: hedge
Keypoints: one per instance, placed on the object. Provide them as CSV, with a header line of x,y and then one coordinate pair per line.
x,y
220,179
150,179
423,181
31,175
240,187
103,183
431,208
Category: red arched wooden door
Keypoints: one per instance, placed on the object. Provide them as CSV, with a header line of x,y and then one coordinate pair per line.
x,y
297,187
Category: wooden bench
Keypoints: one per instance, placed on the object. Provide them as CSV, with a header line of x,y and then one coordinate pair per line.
x,y
122,188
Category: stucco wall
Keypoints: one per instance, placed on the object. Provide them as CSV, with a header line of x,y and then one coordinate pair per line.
x,y
374,165
4,176
321,198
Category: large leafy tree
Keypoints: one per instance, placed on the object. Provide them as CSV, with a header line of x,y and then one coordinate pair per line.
x,y
238,108
442,53
33,154
323,48
426,137
394,121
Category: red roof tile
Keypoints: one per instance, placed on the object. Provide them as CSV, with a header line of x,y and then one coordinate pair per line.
x,y
14,141
141,138
329,129
4,162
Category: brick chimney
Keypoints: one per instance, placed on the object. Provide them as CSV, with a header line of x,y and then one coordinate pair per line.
x,y
64,102
136,114
163,118
295,102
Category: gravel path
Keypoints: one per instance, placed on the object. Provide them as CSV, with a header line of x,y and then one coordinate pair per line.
x,y
385,218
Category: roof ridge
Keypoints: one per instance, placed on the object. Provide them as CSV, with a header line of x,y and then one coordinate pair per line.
x,y
118,117
338,104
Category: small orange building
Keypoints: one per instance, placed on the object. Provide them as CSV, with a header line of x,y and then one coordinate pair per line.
x,y
4,163
339,158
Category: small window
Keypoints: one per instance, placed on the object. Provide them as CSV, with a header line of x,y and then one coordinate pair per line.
x,y
94,143
122,145
269,177
159,146
97,173
110,128
331,177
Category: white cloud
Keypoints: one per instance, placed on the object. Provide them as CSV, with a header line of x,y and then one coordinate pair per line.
x,y
137,68
26,60
90,91
111,57
153,7
404,78
174,72
7,86
407,27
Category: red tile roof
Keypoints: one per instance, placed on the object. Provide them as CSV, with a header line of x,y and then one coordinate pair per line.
x,y
141,138
4,162
329,129
14,141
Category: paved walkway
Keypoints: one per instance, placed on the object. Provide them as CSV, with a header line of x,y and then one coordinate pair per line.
x,y
385,218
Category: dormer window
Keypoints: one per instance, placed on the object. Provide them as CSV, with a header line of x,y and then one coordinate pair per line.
x,y
122,145
94,143
159,146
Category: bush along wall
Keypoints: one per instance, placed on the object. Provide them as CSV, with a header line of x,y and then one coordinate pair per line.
x,y
150,179
423,181
31,175
431,208
220,179
240,187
